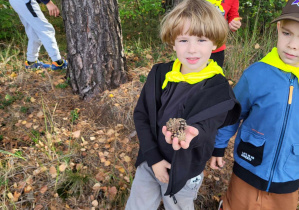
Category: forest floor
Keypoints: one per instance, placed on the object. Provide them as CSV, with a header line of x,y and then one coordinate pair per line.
x,y
59,152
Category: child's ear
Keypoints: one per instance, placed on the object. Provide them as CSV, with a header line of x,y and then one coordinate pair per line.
x,y
173,47
214,47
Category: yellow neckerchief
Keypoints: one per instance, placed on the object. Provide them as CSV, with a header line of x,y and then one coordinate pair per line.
x,y
217,3
273,59
175,74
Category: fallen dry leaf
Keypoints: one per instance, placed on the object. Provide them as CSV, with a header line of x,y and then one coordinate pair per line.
x,y
216,198
95,203
21,185
107,163
10,196
16,196
110,132
77,134
100,176
121,170
43,189
148,56
53,172
216,178
38,207
112,191
127,179
97,186
62,167
127,159
40,114
27,189
13,74
28,125
79,166
102,140
32,99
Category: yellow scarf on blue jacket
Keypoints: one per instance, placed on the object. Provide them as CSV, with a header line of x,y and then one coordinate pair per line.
x,y
175,74
273,59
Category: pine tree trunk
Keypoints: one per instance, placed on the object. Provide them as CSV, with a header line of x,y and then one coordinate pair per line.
x,y
94,42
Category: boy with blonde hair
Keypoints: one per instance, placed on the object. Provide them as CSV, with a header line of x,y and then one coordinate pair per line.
x,y
193,88
266,153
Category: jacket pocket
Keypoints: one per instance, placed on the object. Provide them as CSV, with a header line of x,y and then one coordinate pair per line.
x,y
251,147
292,161
30,8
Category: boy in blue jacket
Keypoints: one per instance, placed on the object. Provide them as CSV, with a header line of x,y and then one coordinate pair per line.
x,y
39,31
266,153
193,88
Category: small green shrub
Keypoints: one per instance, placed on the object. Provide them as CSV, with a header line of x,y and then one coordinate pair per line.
x,y
140,19
24,109
142,78
74,184
74,115
10,23
35,136
63,85
259,13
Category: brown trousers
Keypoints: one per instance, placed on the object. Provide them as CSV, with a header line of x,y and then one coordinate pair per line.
x,y
242,196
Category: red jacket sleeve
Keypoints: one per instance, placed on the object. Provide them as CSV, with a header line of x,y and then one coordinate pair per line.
x,y
233,10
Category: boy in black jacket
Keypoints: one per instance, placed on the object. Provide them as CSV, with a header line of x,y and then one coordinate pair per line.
x,y
193,88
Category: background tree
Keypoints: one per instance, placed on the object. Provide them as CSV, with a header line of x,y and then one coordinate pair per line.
x,y
168,4
94,42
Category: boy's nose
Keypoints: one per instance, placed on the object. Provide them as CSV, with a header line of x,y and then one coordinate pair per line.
x,y
192,48
294,44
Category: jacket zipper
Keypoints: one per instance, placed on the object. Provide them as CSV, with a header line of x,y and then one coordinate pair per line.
x,y
171,173
286,116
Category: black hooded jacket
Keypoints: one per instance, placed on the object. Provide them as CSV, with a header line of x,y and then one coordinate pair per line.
x,y
43,1
211,107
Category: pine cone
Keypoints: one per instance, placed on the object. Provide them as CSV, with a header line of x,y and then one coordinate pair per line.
x,y
177,127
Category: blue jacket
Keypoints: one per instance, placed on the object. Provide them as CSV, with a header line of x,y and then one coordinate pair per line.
x,y
266,150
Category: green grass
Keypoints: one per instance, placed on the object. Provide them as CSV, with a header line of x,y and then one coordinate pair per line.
x,y
244,48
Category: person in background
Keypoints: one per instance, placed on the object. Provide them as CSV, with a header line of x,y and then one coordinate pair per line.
x,y
194,88
266,153
229,9
39,31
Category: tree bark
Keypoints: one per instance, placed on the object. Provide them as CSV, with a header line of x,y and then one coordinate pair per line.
x,y
96,60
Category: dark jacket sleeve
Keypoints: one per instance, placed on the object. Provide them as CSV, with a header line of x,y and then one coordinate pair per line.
x,y
207,130
142,114
43,1
220,110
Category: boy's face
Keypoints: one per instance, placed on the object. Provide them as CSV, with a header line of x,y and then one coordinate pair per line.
x,y
288,42
192,51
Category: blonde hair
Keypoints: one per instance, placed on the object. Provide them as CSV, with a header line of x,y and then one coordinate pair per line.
x,y
205,20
